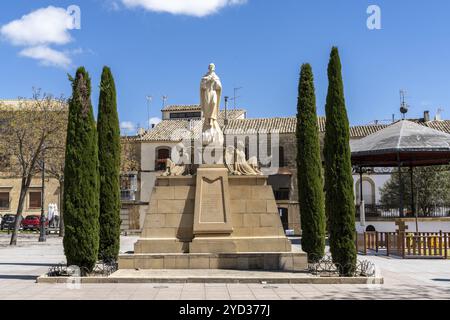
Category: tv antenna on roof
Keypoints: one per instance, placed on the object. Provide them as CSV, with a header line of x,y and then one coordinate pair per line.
x,y
235,90
149,101
438,116
164,100
403,106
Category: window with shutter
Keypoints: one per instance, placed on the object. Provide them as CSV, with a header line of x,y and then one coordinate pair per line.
x,y
34,200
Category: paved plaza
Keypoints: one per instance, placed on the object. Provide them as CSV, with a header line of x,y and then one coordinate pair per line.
x,y
19,267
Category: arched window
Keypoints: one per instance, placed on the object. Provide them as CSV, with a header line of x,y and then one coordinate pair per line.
x,y
162,154
368,191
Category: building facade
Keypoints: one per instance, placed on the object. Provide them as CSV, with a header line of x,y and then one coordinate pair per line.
x,y
28,117
144,158
157,144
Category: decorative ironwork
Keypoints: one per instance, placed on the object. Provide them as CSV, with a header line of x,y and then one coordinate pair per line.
x,y
105,268
59,270
325,267
373,170
102,268
380,211
391,170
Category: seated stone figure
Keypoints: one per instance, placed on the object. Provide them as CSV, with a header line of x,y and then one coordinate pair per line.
x,y
241,166
173,169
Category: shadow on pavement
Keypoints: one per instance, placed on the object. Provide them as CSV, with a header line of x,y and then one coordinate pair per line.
x,y
17,277
27,264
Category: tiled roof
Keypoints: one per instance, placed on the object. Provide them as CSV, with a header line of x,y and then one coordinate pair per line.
x,y
165,130
174,130
363,131
231,113
191,107
441,125
282,125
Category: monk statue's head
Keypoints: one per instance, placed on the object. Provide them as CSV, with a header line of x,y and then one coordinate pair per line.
x,y
212,67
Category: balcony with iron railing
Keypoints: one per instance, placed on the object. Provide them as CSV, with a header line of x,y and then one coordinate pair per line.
x,y
127,195
128,187
382,212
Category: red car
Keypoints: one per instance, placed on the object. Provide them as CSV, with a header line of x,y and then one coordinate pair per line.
x,y
32,222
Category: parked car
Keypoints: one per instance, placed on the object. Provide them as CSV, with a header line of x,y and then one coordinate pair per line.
x,y
32,222
8,221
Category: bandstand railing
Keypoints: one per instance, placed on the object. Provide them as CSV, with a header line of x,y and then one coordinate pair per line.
x,y
405,244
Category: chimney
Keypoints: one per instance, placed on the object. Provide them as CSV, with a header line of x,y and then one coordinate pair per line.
x,y
438,116
426,116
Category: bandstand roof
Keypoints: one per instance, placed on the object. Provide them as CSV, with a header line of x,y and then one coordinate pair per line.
x,y
405,143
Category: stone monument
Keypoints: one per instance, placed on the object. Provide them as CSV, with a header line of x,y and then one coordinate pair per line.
x,y
225,217
210,95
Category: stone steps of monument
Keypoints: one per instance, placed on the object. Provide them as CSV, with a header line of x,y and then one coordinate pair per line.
x,y
286,261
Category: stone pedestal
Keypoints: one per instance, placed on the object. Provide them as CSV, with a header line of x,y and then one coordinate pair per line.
x,y
213,220
212,227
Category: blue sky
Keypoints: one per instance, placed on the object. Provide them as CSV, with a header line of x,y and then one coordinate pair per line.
x,y
256,44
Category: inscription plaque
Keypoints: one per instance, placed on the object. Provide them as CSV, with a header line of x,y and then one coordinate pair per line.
x,y
212,209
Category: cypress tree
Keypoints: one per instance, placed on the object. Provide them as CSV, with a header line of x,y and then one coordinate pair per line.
x,y
339,199
109,158
81,183
309,169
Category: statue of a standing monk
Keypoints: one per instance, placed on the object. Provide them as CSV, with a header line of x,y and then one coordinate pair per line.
x,y
210,95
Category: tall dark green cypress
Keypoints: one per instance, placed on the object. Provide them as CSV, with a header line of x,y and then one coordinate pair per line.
x,y
340,205
109,158
309,169
81,182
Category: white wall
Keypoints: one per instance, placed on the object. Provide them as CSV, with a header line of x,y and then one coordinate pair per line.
x,y
425,225
148,175
379,181
148,153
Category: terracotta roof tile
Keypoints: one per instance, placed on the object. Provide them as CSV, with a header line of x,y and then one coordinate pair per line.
x,y
190,107
173,130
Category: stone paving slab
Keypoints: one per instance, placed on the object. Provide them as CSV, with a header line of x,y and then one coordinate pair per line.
x,y
403,279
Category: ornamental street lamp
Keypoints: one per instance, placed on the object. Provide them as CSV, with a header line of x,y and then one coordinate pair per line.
x,y
42,231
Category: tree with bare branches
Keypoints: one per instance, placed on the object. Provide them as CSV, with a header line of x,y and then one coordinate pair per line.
x,y
29,128
129,160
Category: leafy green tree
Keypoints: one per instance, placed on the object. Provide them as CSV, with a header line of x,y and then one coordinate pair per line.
x,y
339,198
109,150
81,178
309,164
431,189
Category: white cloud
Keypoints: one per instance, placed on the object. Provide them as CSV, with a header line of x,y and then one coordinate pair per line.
x,y
197,8
47,56
40,29
44,26
127,126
